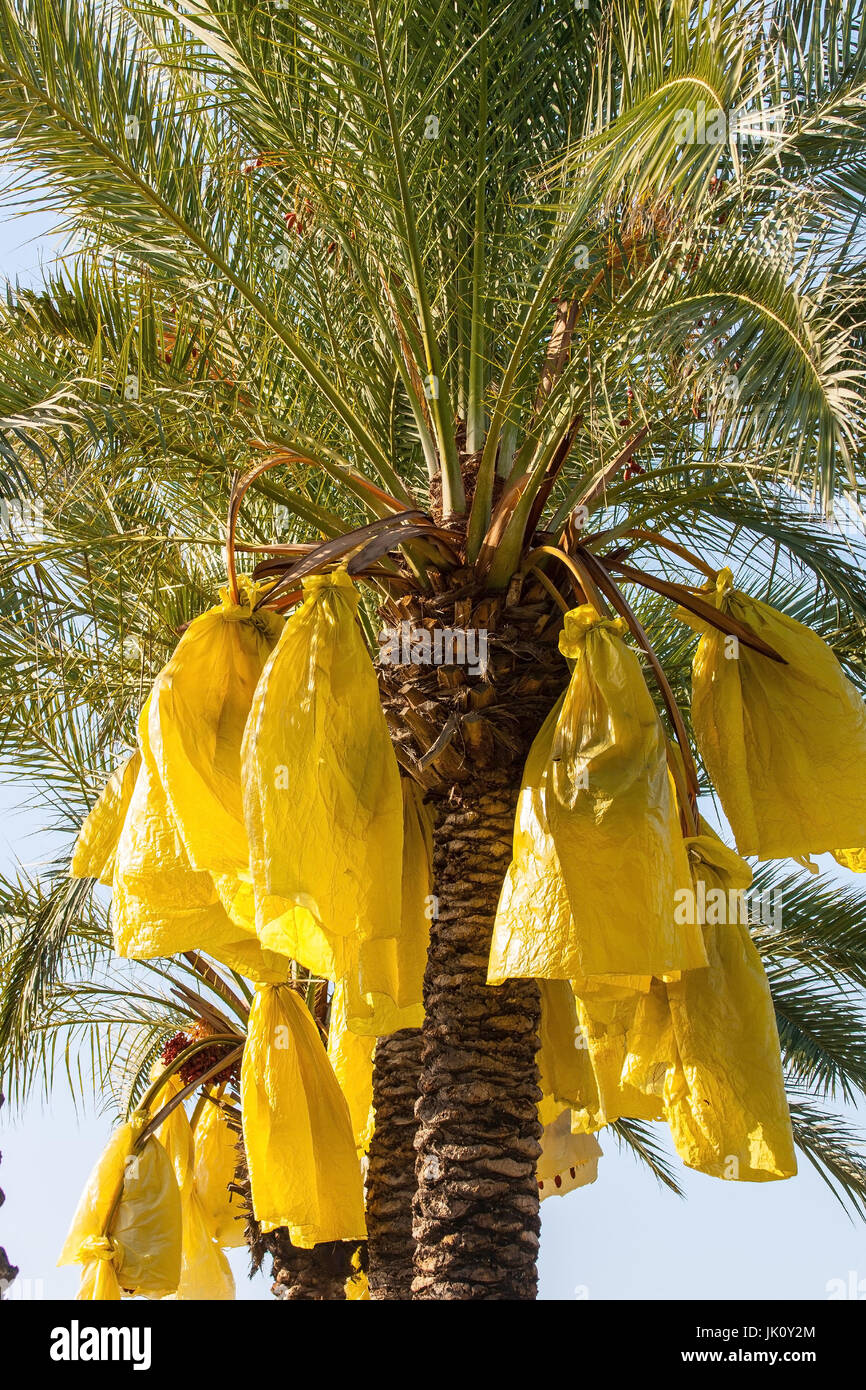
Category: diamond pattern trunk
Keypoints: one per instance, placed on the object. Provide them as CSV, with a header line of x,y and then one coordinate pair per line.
x,y
463,733
476,1208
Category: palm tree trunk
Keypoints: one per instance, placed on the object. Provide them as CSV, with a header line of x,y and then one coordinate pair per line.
x,y
391,1169
476,1208
464,734
318,1275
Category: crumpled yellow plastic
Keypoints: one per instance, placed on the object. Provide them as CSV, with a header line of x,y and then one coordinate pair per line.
x,y
725,1099
383,985
567,1160
98,1257
322,792
215,1167
197,713
206,1275
160,905
785,746
564,1071
205,1272
853,859
304,1169
351,1056
597,848
182,879
583,1051
620,1044
357,1287
95,849
139,1234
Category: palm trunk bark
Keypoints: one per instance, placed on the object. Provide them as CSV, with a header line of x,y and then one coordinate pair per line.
x,y
464,734
476,1208
391,1167
318,1275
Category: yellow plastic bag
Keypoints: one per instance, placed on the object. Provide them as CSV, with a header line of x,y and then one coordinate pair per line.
x,y
357,1287
583,1052
198,710
204,1270
619,1051
304,1170
148,1225
174,1133
322,792
567,1160
216,1157
96,846
383,988
564,1070
181,879
597,844
161,906
853,859
726,1103
87,1243
785,746
129,1216
351,1056
98,1257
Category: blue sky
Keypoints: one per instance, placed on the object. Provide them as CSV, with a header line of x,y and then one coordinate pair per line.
x,y
622,1238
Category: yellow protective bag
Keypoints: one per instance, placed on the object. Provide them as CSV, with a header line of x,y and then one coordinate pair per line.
x,y
198,710
87,1243
182,879
357,1287
174,1133
619,1052
304,1169
725,1102
564,1069
161,905
853,859
95,849
534,934
206,1275
597,850
584,1036
351,1056
785,746
322,795
129,1216
98,1258
383,986
567,1160
216,1158
204,1271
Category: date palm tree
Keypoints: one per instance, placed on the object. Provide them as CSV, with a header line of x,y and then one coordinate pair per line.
x,y
505,307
